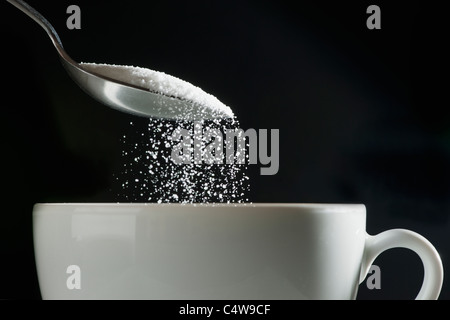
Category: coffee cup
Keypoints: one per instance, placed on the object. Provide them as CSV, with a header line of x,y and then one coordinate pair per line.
x,y
213,251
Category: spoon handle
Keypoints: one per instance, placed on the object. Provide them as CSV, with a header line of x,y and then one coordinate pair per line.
x,y
39,18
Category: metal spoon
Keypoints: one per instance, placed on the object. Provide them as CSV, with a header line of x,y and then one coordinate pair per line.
x,y
119,95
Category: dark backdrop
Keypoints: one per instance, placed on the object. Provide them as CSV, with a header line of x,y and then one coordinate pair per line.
x,y
362,114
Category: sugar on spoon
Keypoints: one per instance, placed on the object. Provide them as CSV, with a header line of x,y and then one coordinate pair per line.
x,y
135,90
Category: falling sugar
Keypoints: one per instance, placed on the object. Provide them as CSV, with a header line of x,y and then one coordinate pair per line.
x,y
148,173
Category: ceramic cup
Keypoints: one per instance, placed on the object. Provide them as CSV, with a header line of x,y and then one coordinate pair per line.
x,y
213,251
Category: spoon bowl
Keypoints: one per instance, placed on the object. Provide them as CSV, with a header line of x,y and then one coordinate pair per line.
x,y
120,95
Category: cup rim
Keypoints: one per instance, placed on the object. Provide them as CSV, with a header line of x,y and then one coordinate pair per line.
x,y
320,207
306,204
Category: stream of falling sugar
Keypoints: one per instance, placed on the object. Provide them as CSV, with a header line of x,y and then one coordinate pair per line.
x,y
147,172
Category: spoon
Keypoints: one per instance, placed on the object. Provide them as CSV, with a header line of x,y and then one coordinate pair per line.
x,y
122,95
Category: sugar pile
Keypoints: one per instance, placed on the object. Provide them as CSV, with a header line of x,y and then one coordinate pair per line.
x,y
161,83
147,173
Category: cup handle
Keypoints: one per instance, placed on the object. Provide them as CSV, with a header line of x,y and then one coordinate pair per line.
x,y
401,238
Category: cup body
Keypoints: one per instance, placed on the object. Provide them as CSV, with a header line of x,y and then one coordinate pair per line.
x,y
199,251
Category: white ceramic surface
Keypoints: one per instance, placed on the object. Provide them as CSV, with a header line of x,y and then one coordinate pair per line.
x,y
214,251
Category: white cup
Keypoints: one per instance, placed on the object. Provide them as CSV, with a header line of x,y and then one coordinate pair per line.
x,y
213,251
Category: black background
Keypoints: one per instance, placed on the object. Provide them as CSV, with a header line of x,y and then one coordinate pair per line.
x,y
363,114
